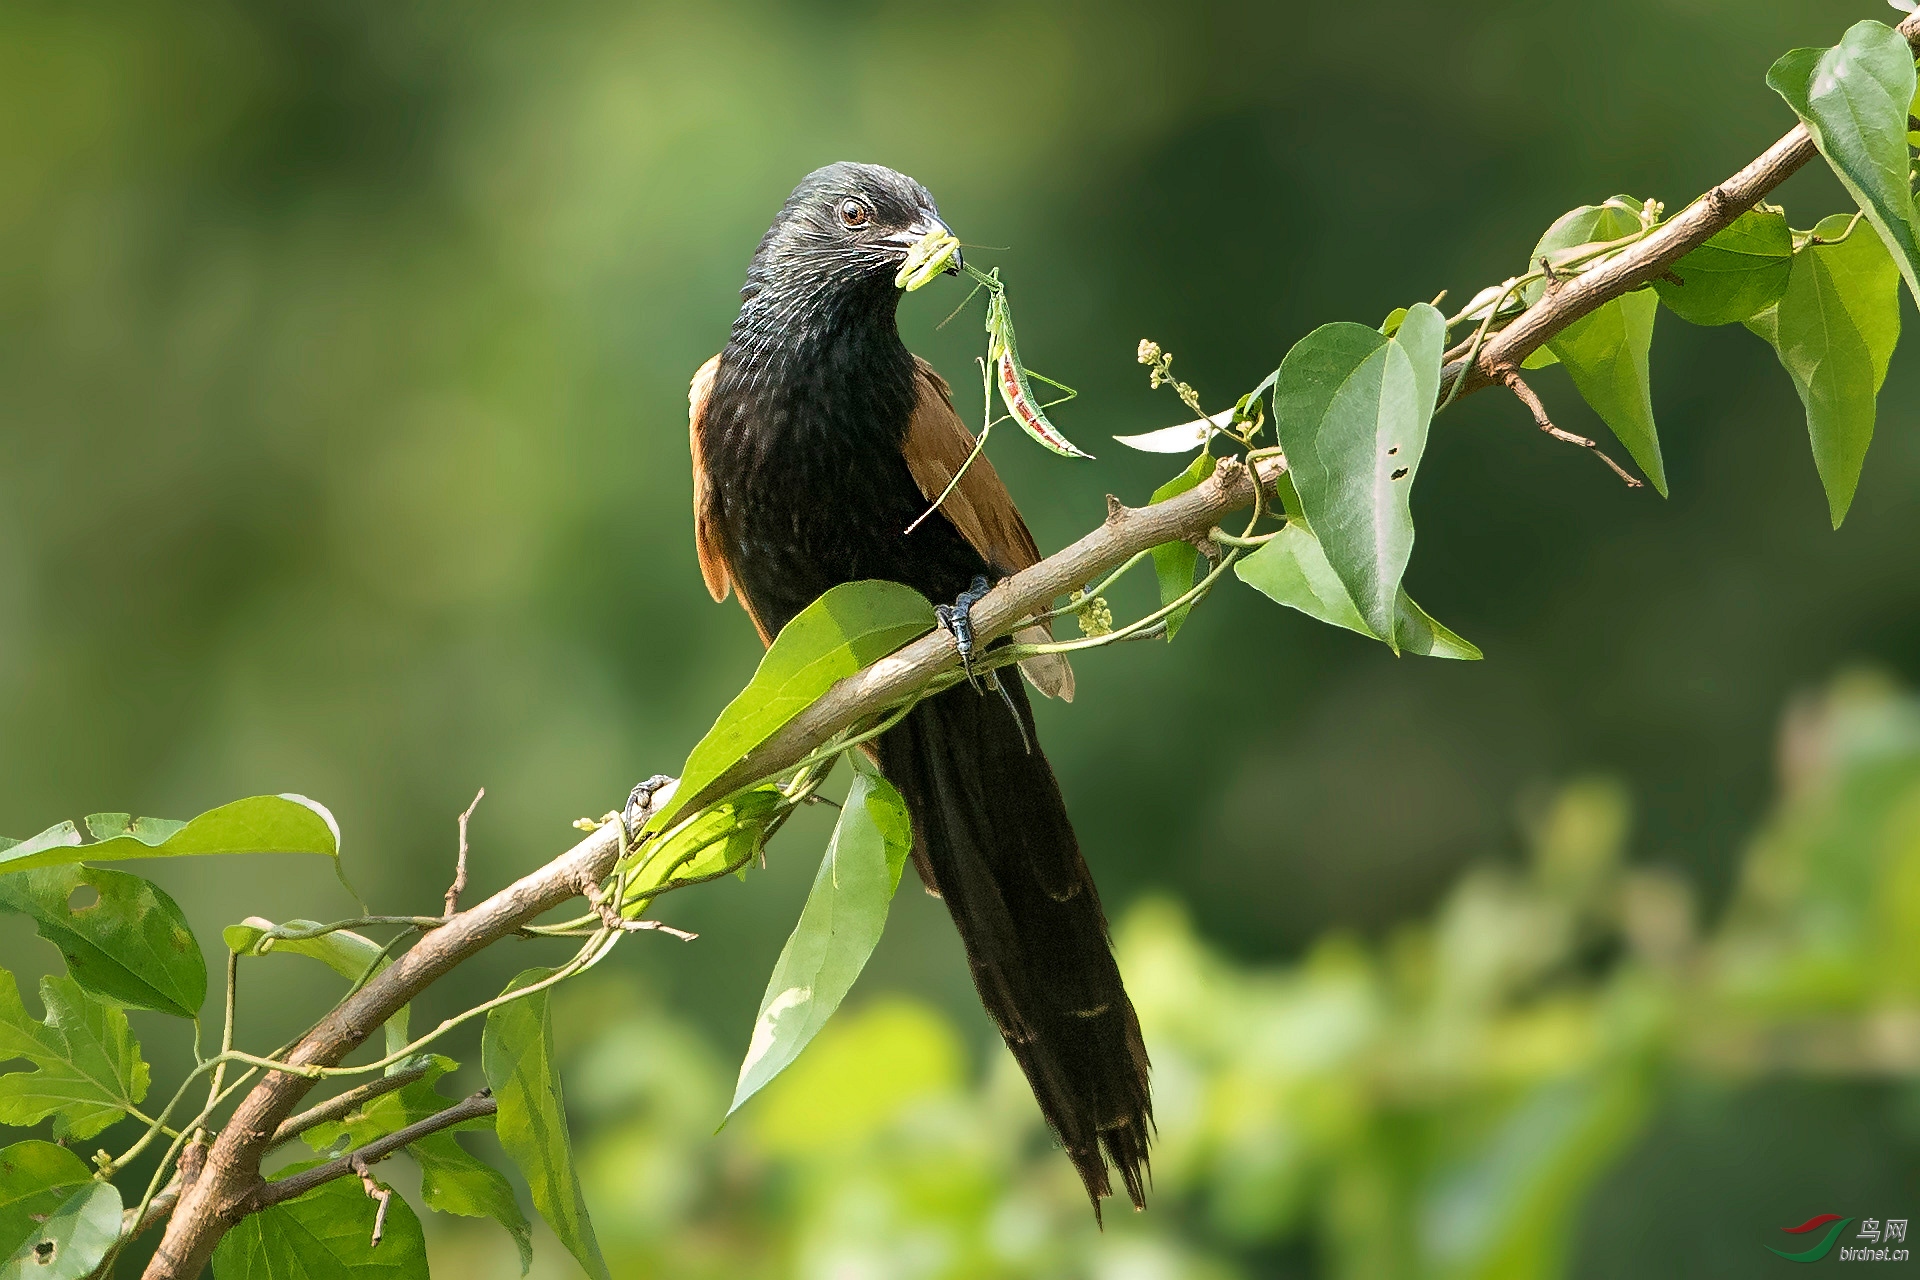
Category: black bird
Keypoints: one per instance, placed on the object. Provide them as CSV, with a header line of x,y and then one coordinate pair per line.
x,y
817,439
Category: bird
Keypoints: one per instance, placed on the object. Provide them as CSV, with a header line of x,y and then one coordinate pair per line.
x,y
817,439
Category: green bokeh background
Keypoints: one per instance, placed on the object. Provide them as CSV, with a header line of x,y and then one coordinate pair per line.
x,y
343,351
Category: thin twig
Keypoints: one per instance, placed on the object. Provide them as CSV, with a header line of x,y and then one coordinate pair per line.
x,y
358,1163
1524,393
344,1104
655,926
459,885
472,1107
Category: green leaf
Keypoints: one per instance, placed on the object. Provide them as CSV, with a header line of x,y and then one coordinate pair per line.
x,y
345,952
1855,99
516,1052
1606,352
1507,1205
452,1180
88,1066
725,836
326,1234
1575,233
262,824
1351,407
838,929
850,627
35,1178
1734,276
130,945
1834,330
1173,562
72,1241
1293,570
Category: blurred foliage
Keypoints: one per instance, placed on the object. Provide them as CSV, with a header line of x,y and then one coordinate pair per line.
x,y
1447,1103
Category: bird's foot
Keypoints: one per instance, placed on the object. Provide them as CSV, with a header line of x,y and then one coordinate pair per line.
x,y
957,618
647,798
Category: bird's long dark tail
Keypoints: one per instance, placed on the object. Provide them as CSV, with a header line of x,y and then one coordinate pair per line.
x,y
991,837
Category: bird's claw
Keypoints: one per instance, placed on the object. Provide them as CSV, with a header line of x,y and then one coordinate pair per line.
x,y
648,797
957,618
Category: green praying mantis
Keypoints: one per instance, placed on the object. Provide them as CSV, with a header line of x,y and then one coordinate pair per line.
x,y
1000,369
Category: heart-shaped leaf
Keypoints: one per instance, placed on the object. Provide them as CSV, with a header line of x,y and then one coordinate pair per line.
x,y
1734,276
1834,330
1292,569
1606,351
1855,99
1352,408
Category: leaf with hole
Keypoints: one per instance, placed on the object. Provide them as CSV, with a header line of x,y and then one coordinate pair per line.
x,y
345,952
122,937
261,824
1834,330
852,626
1855,99
516,1051
35,1179
1174,562
838,929
1352,408
326,1234
1734,276
1292,569
88,1071
72,1241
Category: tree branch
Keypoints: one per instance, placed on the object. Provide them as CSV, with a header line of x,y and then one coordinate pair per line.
x,y
334,1108
357,1162
1642,263
230,1185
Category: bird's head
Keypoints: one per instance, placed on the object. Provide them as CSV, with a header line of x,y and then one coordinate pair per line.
x,y
845,231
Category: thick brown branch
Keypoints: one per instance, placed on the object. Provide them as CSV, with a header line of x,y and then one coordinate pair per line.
x,y
357,1162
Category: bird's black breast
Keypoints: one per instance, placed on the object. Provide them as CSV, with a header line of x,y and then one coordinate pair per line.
x,y
806,477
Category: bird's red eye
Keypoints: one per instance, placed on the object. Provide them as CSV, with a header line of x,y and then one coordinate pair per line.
x,y
855,212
